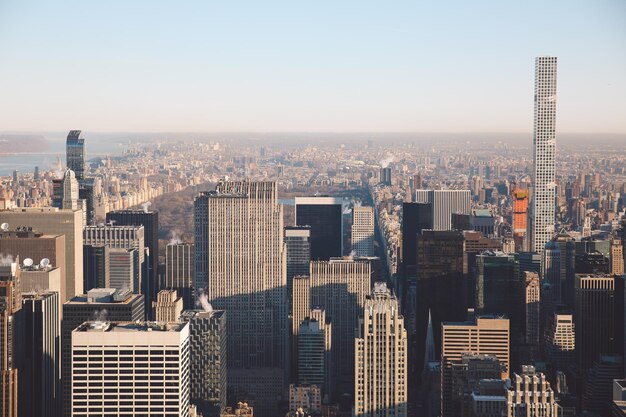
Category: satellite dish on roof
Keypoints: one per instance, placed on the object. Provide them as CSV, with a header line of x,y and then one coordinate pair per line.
x,y
44,262
27,262
4,227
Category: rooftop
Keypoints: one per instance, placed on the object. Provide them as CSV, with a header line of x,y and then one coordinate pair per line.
x,y
148,326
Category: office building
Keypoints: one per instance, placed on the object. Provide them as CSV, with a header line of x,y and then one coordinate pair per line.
x,y
96,267
300,308
520,218
179,271
467,376
415,218
75,153
496,284
617,257
10,306
153,356
168,306
530,395
599,387
339,286
41,278
385,176
444,203
98,304
559,262
53,221
150,222
124,269
481,335
381,357
325,325
307,398
619,398
40,377
311,353
298,247
207,359
37,246
542,214
244,257
561,342
440,288
482,220
242,410
325,217
363,231
532,288
595,318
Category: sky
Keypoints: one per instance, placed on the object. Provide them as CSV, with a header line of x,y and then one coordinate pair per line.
x,y
308,66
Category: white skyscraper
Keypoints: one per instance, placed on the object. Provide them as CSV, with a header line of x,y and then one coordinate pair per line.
x,y
542,210
381,357
363,231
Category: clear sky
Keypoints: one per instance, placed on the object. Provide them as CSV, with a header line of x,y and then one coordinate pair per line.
x,y
314,65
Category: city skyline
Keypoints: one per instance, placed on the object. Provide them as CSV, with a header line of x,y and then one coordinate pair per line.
x,y
269,68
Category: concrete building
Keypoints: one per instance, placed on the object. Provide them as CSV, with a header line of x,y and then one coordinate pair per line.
x,y
40,377
244,256
599,385
530,395
124,270
617,257
298,247
531,308
141,353
311,353
482,220
482,335
300,306
10,306
53,221
444,203
561,342
179,271
325,217
363,231
308,398
168,306
381,357
99,304
468,387
208,360
542,213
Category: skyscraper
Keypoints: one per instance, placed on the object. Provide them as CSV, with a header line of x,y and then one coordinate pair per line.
x,y
239,246
150,222
10,306
65,191
179,270
168,306
415,218
381,357
444,204
153,356
363,231
530,395
324,215
311,353
544,145
520,218
75,153
531,304
298,247
207,358
482,335
96,271
40,377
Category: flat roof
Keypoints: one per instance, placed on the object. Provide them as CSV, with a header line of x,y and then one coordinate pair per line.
x,y
131,326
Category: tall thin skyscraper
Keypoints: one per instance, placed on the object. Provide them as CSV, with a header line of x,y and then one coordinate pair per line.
x,y
324,215
363,231
240,264
75,153
544,145
381,357
10,306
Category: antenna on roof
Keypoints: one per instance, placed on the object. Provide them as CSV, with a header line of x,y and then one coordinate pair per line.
x,y
27,262
44,262
4,227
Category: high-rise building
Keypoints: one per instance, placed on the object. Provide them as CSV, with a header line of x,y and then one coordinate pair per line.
x,y
153,356
325,217
311,353
37,246
75,153
415,218
440,288
10,345
168,306
617,257
381,357
124,269
520,218
305,399
496,284
385,176
558,269
179,271
483,220
444,203
207,358
542,215
239,245
598,389
150,222
482,335
298,247
98,304
40,377
363,231
595,318
530,395
96,268
52,221
531,308
325,325
561,342
466,378
300,308
66,191
339,286
41,278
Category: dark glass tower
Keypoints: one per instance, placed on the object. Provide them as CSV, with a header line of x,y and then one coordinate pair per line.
x,y
150,221
415,218
324,215
75,153
298,245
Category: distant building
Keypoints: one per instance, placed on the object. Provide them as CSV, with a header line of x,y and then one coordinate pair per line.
x,y
179,271
415,218
483,221
100,347
168,306
10,306
311,353
385,176
520,218
561,342
298,246
242,410
305,397
325,217
363,231
75,153
444,203
532,298
381,357
617,257
96,267
598,389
